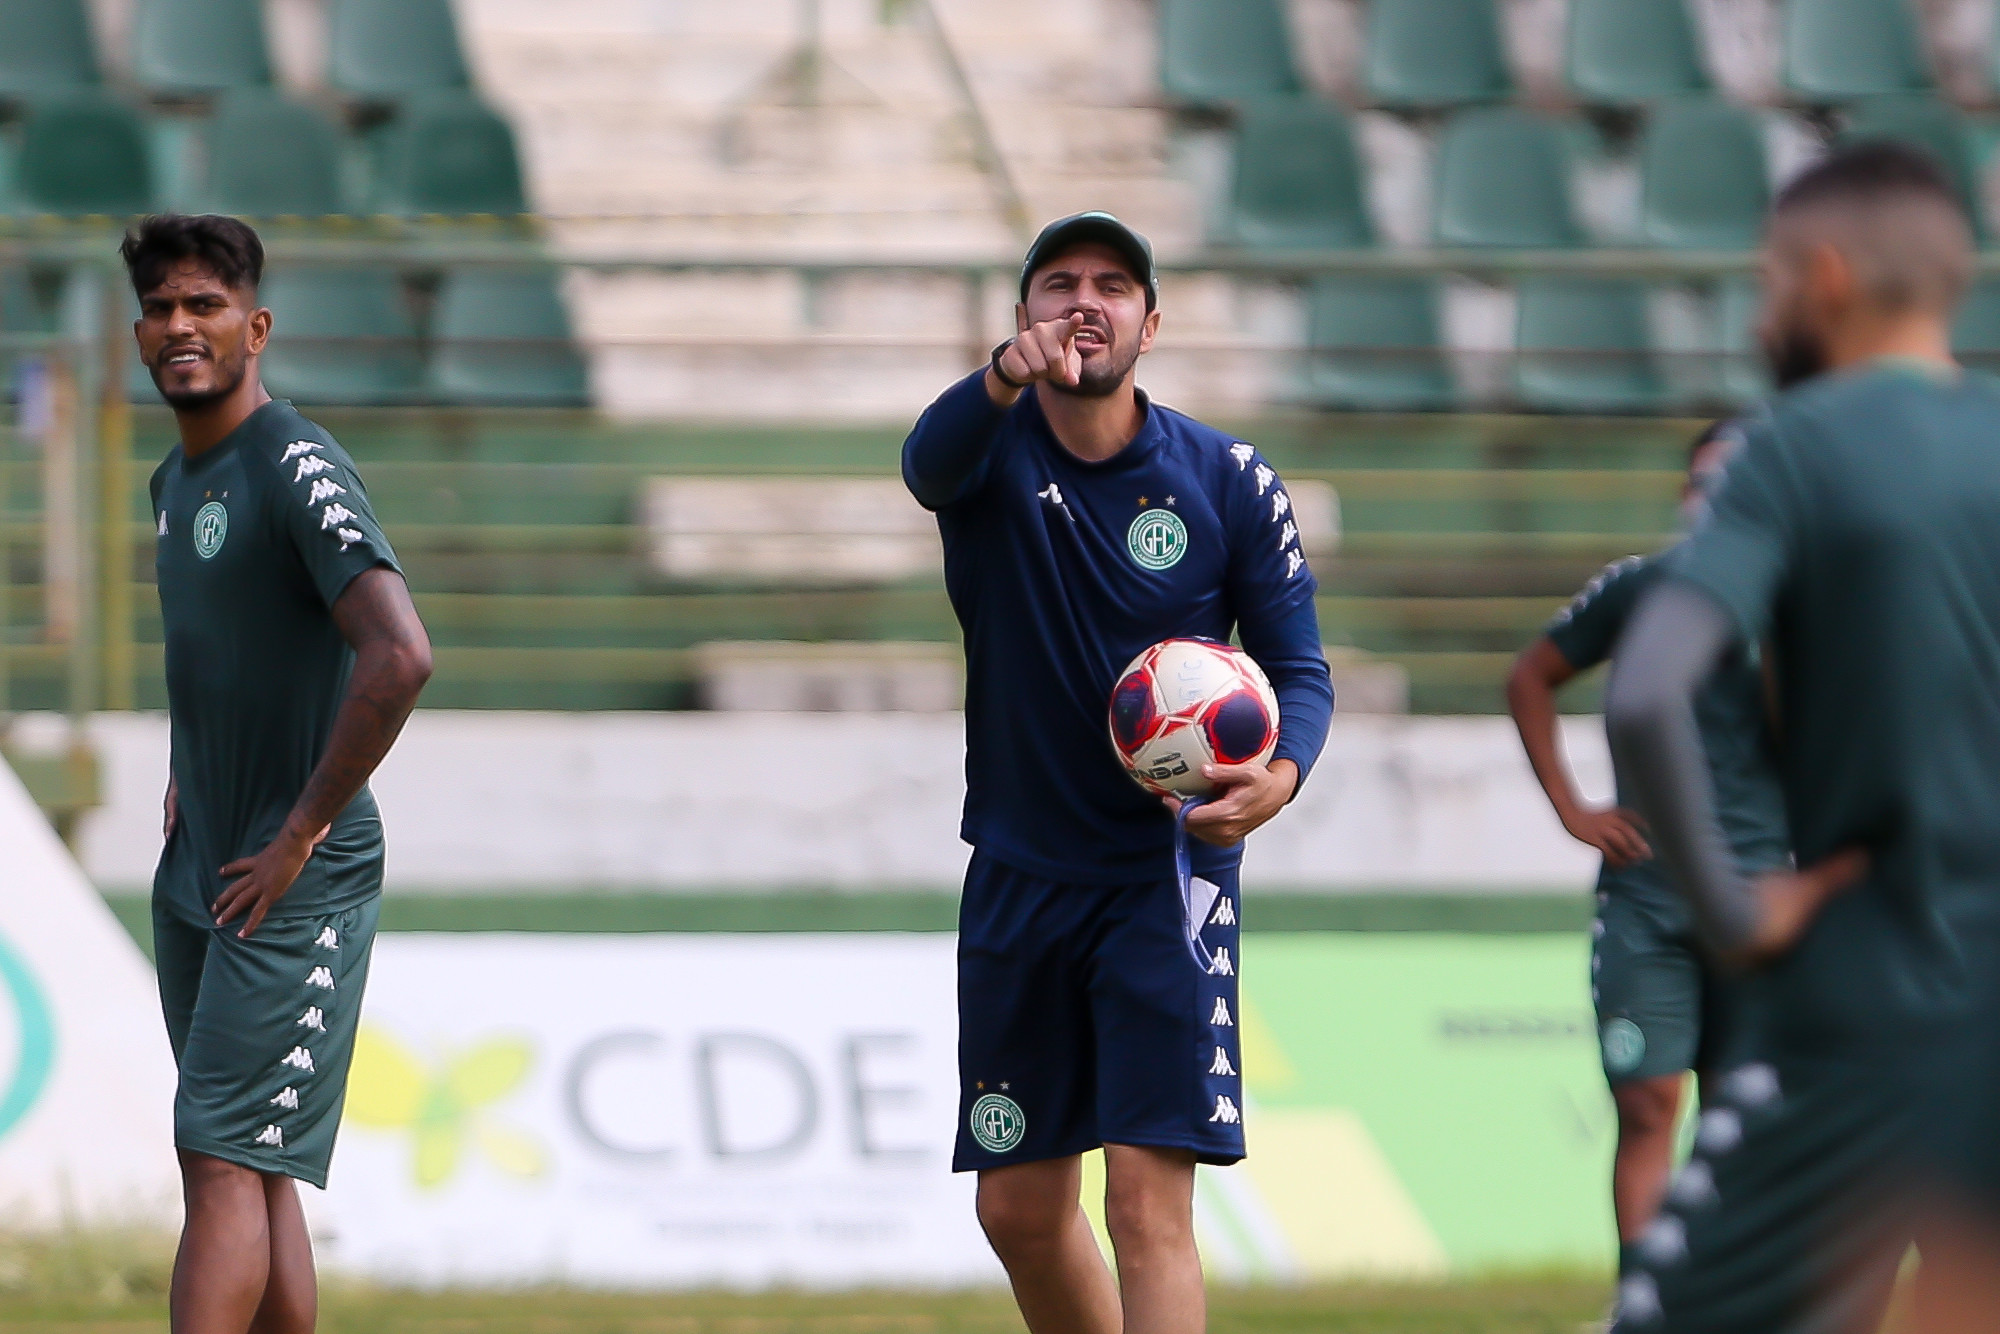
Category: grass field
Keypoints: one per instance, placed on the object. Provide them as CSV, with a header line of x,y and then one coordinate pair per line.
x,y
116,1284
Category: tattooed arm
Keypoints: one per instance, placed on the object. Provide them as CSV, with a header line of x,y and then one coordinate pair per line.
x,y
392,661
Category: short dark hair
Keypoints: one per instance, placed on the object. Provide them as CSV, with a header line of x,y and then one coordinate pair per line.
x,y
1867,172
228,247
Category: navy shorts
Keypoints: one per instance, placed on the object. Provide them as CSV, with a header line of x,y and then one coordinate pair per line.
x,y
1084,1019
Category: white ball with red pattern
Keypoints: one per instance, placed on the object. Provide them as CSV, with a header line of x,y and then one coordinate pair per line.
x,y
1185,703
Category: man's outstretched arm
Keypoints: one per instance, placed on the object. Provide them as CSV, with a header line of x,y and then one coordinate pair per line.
x,y
392,661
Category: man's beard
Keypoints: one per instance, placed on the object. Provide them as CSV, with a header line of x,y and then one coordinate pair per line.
x,y
1100,379
1794,357
229,378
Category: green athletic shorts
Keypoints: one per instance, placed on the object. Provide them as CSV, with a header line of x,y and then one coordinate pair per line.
x,y
263,1032
1793,1213
1660,1008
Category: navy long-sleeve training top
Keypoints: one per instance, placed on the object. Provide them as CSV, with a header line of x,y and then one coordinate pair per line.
x,y
1061,572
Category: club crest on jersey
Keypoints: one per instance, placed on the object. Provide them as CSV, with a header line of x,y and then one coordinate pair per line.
x,y
211,528
1157,539
997,1123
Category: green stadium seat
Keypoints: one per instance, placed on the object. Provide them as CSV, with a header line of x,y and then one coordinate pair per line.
x,y
1840,50
82,153
1975,335
1931,126
1503,180
1705,180
1375,346
193,48
1434,53
340,335
382,50
1583,345
267,156
502,336
1219,52
1298,179
1630,52
45,47
449,153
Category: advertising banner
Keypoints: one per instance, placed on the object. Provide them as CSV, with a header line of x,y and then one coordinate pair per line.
x,y
753,1110
86,1082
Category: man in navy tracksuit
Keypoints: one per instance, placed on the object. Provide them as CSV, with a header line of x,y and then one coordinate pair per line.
x,y
1083,523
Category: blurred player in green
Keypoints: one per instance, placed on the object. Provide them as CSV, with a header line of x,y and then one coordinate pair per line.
x,y
1859,529
294,655
1660,1010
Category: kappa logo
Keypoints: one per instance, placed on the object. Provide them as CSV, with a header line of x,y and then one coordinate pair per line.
x,y
1220,1065
314,1018
1157,539
1226,1112
1281,505
1265,475
272,1136
321,976
1222,964
324,489
1638,1300
334,515
1242,453
211,529
327,939
348,536
1220,1015
288,1098
1225,913
997,1123
299,1059
312,465
298,447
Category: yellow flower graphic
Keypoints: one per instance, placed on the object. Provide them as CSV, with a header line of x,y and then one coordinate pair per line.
x,y
390,1088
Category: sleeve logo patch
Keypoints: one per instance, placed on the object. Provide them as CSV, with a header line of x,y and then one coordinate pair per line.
x,y
1157,539
211,528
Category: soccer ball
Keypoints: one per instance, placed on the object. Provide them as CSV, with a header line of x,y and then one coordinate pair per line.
x,y
1184,703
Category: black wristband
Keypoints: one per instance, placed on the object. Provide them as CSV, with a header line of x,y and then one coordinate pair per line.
x,y
1002,376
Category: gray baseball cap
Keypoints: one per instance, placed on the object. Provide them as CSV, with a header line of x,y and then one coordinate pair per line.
x,y
1103,229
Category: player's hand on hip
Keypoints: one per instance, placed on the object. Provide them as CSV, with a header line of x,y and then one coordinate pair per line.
x,y
1787,901
1246,796
257,883
1045,351
1614,832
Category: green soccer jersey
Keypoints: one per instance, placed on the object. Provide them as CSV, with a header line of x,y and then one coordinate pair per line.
x,y
257,539
1729,710
1860,530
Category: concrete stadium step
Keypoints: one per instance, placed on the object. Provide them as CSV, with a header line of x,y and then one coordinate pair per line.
x,y
707,129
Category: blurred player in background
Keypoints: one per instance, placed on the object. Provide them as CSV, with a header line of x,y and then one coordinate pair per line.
x,y
294,655
1660,1006
1083,523
1860,529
